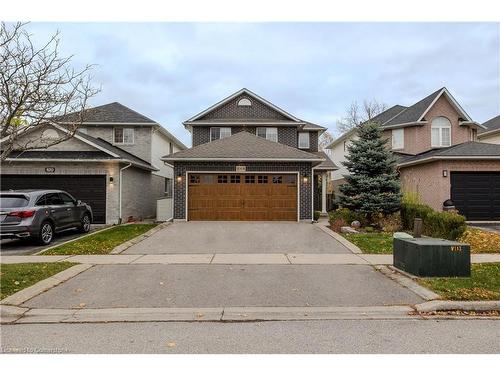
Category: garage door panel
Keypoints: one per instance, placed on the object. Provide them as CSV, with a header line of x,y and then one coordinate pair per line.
x,y
476,194
87,188
242,197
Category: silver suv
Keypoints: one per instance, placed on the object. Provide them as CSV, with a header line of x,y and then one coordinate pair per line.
x,y
38,214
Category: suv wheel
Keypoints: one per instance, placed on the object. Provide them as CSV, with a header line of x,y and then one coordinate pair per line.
x,y
85,224
46,233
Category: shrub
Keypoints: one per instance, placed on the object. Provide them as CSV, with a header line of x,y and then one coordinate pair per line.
x,y
389,223
347,215
449,225
317,214
337,223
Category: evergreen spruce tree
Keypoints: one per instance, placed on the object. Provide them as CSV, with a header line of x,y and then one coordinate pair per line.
x,y
373,184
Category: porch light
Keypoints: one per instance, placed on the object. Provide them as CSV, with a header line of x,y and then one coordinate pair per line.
x,y
305,178
179,177
445,173
111,180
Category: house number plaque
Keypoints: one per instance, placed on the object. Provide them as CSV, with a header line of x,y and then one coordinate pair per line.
x,y
241,168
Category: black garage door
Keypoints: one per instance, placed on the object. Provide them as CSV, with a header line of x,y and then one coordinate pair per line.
x,y
476,194
88,188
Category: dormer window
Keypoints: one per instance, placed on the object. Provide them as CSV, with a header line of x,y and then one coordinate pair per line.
x,y
244,102
270,134
304,140
123,136
219,133
441,132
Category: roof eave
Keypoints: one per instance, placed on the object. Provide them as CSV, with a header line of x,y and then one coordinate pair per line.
x,y
166,159
434,158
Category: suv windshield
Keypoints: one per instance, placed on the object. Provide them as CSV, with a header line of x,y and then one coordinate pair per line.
x,y
11,201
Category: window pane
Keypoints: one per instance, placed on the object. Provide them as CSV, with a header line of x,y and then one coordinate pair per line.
x,y
262,179
12,201
445,137
261,132
214,133
118,135
222,179
235,179
398,138
277,179
272,134
249,179
303,140
66,198
168,188
225,132
128,135
194,179
435,137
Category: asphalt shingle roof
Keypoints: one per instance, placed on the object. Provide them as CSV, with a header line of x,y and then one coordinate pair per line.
x,y
413,112
467,149
109,113
243,145
491,124
328,164
70,155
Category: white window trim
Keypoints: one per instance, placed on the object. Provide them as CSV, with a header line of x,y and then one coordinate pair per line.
x,y
308,140
440,137
268,133
220,127
402,145
124,143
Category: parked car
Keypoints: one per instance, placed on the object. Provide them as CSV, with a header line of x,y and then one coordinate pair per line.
x,y
39,214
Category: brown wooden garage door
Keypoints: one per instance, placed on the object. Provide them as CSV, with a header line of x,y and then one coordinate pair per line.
x,y
90,189
242,197
476,194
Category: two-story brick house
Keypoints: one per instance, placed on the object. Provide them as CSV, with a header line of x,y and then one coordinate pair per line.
x,y
113,162
439,155
250,160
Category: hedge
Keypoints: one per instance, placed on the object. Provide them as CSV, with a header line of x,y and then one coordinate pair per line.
x,y
449,225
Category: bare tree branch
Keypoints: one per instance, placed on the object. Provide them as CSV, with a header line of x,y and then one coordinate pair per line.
x,y
357,114
38,87
325,139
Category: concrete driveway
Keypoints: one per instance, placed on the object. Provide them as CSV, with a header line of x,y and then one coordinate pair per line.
x,y
199,237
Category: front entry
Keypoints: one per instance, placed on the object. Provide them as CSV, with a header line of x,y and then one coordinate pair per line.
x,y
249,196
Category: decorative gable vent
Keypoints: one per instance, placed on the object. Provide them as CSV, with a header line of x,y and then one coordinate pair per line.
x,y
244,102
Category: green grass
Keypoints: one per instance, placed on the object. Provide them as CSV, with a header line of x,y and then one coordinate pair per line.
x,y
14,277
484,284
371,243
102,242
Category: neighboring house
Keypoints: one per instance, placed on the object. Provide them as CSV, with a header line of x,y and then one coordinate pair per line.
x,y
491,133
439,157
250,160
112,162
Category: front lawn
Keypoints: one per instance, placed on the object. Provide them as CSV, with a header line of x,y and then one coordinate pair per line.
x,y
481,241
484,284
371,243
102,242
14,277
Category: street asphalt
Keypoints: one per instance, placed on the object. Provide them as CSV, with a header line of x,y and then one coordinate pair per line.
x,y
336,336
157,285
239,237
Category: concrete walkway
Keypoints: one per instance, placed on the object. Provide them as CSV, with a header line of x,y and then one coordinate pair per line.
x,y
213,258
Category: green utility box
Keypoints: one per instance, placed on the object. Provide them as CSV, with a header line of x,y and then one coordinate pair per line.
x,y
430,257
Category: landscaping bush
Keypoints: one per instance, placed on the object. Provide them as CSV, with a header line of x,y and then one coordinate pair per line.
x,y
449,225
389,223
347,215
337,223
317,214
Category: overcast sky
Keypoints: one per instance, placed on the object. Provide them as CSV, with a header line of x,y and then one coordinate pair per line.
x,y
170,72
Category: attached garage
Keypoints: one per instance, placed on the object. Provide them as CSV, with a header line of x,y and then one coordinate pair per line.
x,y
87,188
476,194
248,196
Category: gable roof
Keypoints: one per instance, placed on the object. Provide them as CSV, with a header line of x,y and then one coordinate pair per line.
x,y
327,165
467,150
234,95
111,113
243,146
492,125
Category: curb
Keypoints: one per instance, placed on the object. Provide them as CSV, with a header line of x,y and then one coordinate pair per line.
x,y
349,245
124,246
432,306
408,283
75,239
28,293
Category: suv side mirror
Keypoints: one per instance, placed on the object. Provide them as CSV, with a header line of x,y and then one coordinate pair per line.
x,y
78,202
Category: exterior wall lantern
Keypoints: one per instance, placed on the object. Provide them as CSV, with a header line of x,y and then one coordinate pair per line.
x,y
305,178
179,177
445,173
111,180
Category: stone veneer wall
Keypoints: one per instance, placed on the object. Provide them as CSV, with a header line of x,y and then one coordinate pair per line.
x,y
305,188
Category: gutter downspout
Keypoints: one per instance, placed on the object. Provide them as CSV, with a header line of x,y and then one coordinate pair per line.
x,y
120,192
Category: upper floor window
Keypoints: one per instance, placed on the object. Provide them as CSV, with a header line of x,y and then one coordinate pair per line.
x,y
398,139
440,132
304,140
270,134
244,102
124,135
219,133
170,148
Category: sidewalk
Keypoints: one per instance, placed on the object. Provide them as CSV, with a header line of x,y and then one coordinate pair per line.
x,y
355,259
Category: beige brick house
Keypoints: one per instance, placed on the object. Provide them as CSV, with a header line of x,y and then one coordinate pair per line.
x,y
439,154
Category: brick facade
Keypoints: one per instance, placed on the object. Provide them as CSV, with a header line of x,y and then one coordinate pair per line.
x,y
428,182
305,188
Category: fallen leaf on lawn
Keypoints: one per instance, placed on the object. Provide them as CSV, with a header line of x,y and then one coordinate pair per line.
x,y
171,344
